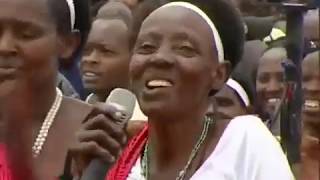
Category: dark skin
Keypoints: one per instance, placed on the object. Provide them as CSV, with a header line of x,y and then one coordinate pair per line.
x,y
29,48
130,3
105,63
311,87
311,27
269,82
228,103
310,117
172,47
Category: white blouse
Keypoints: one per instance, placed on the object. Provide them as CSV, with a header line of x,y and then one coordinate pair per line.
x,y
246,151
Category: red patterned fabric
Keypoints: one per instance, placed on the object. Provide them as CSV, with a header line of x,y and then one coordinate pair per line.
x,y
4,169
123,167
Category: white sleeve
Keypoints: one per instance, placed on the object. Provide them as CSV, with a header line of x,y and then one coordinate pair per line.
x,y
269,160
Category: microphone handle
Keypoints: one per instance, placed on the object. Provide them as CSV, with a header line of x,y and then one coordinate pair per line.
x,y
96,170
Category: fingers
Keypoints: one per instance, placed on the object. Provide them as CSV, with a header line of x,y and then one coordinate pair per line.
x,y
102,139
101,136
111,111
89,148
104,123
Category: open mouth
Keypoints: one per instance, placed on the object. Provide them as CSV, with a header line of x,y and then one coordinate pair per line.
x,y
90,76
273,100
158,83
7,72
311,105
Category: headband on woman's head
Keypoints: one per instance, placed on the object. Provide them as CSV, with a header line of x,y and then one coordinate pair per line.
x,y
72,12
239,90
216,36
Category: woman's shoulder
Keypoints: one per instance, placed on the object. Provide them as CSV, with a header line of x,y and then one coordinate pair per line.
x,y
74,111
250,132
73,105
248,141
249,124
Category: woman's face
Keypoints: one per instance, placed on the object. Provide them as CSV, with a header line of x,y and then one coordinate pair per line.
x,y
105,62
174,65
228,104
269,82
311,87
29,44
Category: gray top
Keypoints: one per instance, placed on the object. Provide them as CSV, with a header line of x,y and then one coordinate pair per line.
x,y
65,86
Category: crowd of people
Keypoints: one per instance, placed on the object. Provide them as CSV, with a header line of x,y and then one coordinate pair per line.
x,y
207,75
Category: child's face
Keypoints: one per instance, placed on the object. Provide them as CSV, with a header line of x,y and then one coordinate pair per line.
x,y
105,61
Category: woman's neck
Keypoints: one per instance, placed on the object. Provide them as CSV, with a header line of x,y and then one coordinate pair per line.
x,y
171,142
101,97
33,105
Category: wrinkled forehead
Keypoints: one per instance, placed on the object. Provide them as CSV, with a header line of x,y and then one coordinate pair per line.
x,y
274,54
181,15
176,19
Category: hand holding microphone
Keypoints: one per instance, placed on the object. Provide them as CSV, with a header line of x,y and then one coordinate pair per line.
x,y
102,136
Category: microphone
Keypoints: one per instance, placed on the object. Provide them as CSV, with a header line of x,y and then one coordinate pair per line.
x,y
124,101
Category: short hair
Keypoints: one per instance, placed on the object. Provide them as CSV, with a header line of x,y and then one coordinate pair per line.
x,y
95,5
141,12
60,12
115,10
229,24
245,72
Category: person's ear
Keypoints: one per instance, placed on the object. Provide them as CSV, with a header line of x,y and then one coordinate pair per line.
x,y
220,75
68,44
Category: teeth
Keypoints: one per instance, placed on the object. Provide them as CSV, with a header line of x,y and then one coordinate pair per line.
x,y
159,83
312,103
273,100
90,74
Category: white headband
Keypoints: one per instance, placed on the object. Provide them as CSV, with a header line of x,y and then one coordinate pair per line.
x,y
239,90
72,13
216,35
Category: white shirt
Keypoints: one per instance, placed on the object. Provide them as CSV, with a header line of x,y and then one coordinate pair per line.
x,y
246,151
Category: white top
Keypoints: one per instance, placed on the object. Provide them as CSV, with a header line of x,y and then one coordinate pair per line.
x,y
246,151
138,114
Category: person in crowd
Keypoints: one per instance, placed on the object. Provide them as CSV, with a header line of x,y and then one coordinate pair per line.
x,y
34,35
310,116
172,57
106,56
270,85
240,91
231,101
234,99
